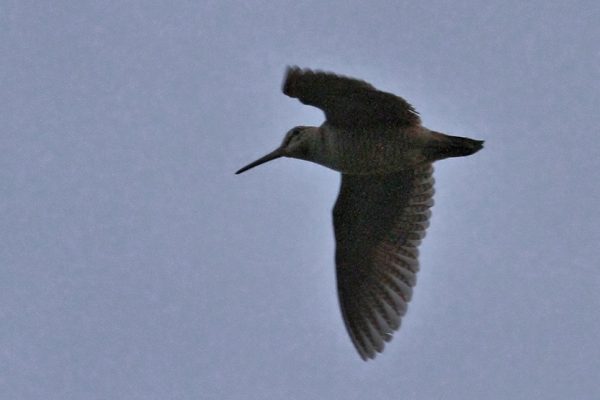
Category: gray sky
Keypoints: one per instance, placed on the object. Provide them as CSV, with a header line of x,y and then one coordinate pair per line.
x,y
136,265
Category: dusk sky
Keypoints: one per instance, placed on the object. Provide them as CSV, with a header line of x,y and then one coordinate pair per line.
x,y
134,264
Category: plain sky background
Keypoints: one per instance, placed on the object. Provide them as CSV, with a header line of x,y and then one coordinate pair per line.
x,y
134,264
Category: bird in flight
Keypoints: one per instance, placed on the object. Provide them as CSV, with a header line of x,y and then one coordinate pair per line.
x,y
376,141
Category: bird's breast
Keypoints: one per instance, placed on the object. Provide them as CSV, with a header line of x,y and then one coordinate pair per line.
x,y
367,151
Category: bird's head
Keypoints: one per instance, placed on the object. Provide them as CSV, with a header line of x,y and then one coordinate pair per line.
x,y
296,144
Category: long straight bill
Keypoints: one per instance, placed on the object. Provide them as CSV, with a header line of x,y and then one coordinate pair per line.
x,y
271,156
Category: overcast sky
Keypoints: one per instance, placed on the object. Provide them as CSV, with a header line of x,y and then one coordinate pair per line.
x,y
134,264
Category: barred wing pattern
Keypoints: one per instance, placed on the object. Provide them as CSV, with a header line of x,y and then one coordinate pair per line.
x,y
347,102
379,221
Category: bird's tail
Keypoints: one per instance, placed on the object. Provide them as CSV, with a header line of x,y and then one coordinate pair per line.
x,y
445,146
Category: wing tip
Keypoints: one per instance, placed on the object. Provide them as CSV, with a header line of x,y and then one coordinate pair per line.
x,y
368,352
292,73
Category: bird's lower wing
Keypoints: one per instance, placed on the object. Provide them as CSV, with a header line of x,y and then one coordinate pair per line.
x,y
379,221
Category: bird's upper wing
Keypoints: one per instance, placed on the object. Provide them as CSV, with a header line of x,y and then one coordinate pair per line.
x,y
379,221
348,102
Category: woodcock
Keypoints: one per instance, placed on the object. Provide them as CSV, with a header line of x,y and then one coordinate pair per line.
x,y
376,140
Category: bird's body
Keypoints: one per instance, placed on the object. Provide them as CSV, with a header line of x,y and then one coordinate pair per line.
x,y
376,140
364,151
